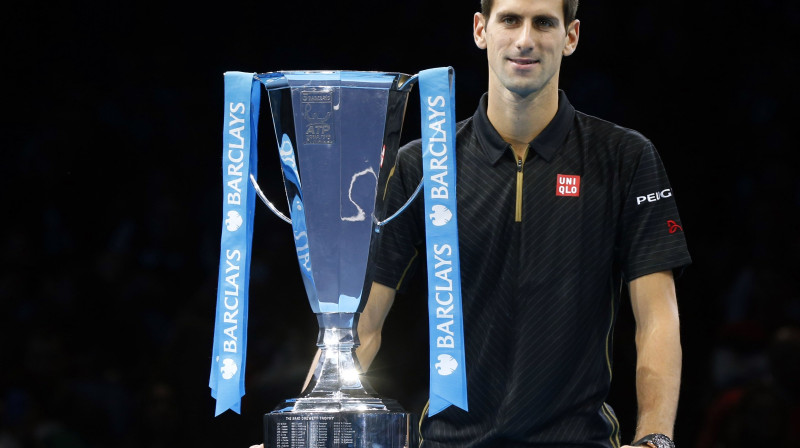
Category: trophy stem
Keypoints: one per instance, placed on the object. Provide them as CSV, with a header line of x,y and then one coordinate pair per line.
x,y
339,409
338,384
338,372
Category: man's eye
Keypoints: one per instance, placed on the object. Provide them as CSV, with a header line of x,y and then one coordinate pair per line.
x,y
544,23
509,20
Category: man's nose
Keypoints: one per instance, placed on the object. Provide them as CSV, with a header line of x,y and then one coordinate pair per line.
x,y
525,38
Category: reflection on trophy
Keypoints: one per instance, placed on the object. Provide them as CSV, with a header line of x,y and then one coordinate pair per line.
x,y
338,135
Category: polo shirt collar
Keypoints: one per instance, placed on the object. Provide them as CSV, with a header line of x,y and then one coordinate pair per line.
x,y
545,144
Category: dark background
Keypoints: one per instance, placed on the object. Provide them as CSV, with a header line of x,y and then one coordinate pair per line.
x,y
111,202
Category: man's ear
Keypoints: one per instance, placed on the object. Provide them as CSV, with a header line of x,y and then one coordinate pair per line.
x,y
573,34
479,30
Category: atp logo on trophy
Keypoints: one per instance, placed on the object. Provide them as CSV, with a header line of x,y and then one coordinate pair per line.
x,y
317,117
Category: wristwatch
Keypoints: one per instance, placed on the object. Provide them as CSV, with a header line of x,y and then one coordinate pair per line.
x,y
657,440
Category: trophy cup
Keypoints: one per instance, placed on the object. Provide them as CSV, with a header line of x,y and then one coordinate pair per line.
x,y
338,134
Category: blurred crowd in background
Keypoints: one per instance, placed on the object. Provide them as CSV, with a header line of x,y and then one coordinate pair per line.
x,y
111,238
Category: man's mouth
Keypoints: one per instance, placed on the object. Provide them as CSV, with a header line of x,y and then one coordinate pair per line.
x,y
523,61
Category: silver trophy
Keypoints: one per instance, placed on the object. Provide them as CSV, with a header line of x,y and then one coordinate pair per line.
x,y
338,133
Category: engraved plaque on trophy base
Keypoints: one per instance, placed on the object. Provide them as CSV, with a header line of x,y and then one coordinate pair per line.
x,y
339,409
379,429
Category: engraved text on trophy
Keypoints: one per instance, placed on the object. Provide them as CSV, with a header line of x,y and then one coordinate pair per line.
x,y
318,117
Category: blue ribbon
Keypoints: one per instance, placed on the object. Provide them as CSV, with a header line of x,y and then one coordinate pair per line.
x,y
239,160
448,384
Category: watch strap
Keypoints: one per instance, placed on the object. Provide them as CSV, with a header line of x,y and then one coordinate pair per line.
x,y
659,440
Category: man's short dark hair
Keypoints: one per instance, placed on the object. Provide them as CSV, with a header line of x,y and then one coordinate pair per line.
x,y
570,10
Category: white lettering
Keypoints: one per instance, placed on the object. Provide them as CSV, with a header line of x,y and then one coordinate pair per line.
x,y
437,149
231,266
236,159
231,280
439,134
230,332
439,193
438,164
441,261
233,254
439,178
445,313
233,305
234,183
231,300
438,101
445,342
439,250
237,108
653,197
237,132
444,302
230,318
444,327
235,154
235,170
434,112
439,153
443,275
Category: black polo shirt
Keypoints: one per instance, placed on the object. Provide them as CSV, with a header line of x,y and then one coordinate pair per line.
x,y
545,247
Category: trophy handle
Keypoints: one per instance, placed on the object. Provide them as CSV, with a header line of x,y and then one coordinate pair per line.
x,y
266,201
379,224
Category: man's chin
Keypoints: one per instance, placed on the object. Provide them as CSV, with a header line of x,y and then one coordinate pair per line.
x,y
523,90
527,87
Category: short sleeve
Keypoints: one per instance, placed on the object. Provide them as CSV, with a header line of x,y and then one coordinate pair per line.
x,y
399,244
652,236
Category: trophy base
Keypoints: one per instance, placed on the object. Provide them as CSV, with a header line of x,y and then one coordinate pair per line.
x,y
392,428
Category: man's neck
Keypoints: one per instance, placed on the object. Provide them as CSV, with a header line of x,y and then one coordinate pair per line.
x,y
520,119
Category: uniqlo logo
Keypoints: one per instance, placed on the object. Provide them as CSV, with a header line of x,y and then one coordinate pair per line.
x,y
567,185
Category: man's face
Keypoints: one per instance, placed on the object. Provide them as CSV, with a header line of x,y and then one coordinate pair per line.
x,y
524,42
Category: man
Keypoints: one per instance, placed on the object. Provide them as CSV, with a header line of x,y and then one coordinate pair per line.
x,y
555,210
